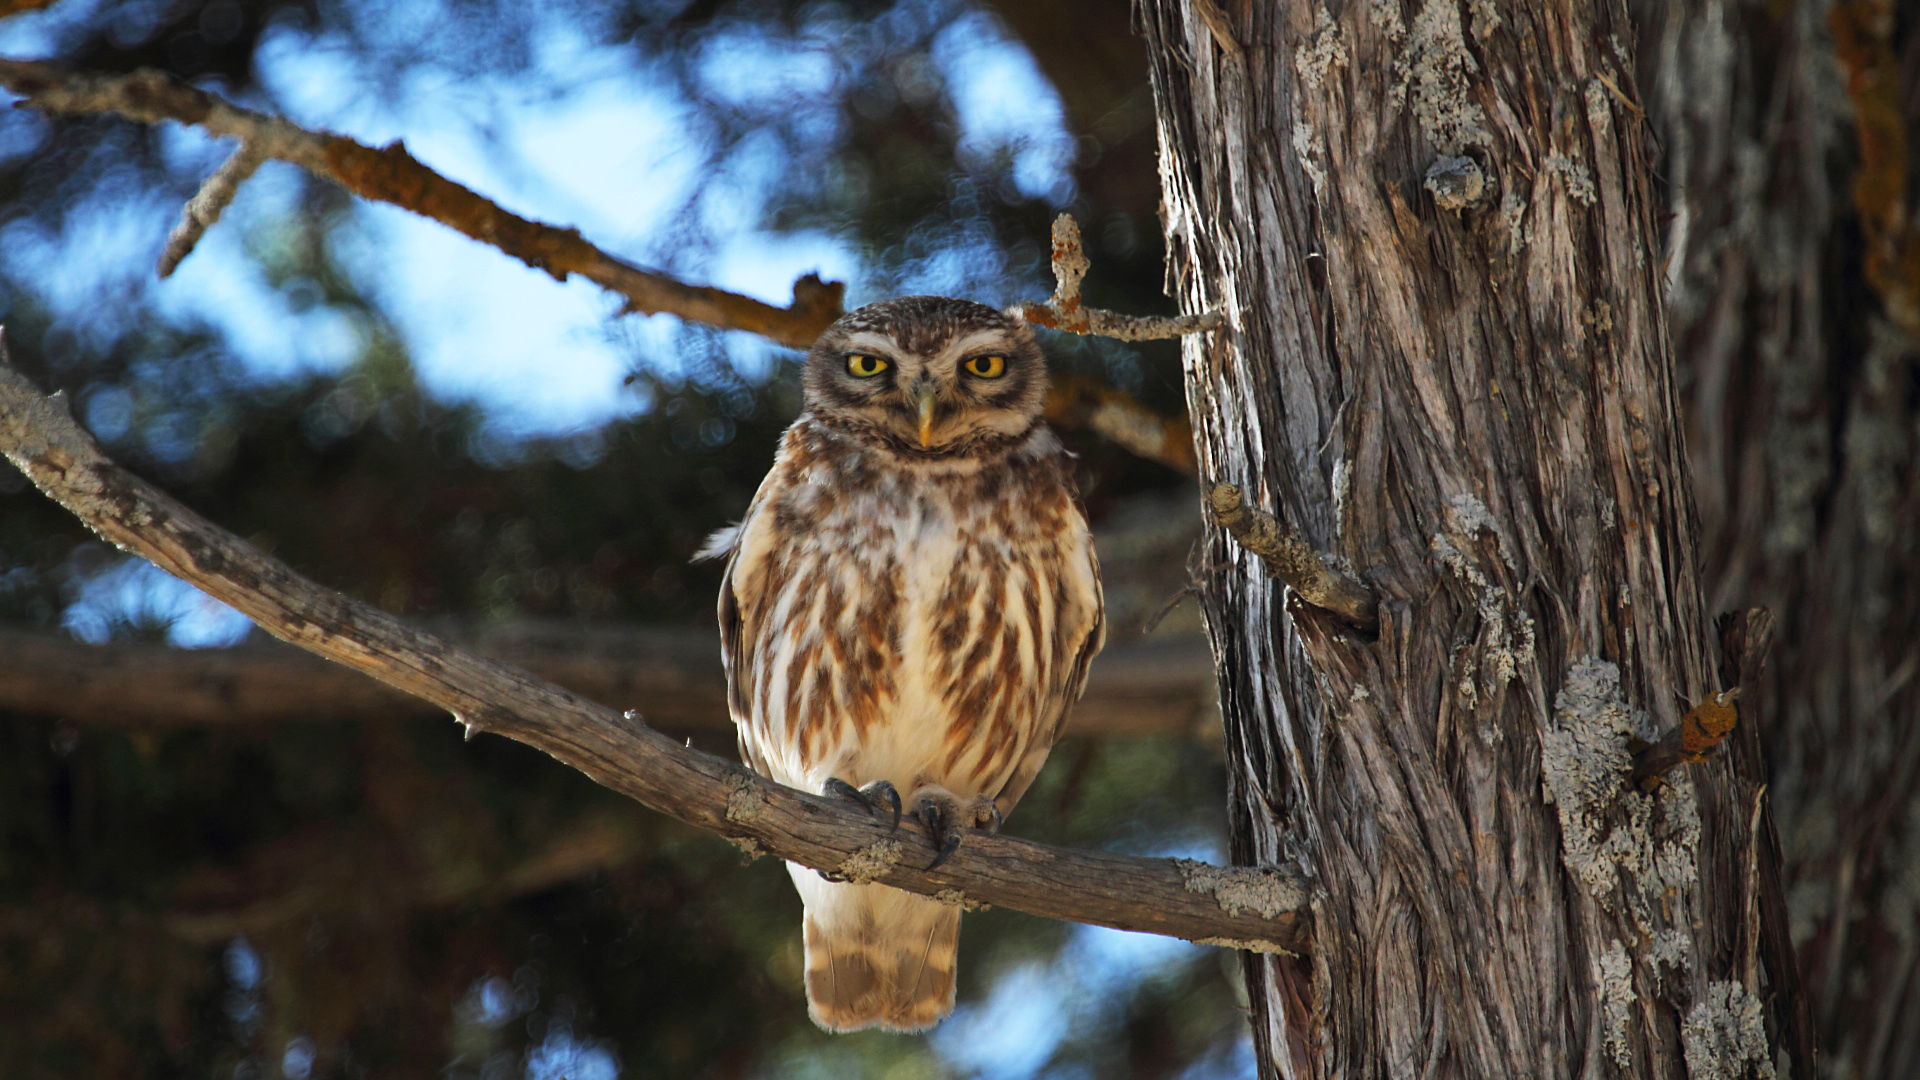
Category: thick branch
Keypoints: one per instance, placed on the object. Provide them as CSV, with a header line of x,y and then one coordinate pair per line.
x,y
672,676
391,175
1290,558
1254,908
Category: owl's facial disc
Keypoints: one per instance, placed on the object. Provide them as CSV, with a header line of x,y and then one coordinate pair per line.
x,y
928,375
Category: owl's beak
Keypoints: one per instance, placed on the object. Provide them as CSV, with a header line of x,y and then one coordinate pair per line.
x,y
926,417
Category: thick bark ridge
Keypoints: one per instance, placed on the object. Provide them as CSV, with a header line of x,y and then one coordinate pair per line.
x,y
1455,375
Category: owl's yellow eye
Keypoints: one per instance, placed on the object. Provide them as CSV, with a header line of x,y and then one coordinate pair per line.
x,y
987,367
862,366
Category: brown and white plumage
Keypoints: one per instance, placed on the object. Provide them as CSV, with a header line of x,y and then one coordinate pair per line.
x,y
911,598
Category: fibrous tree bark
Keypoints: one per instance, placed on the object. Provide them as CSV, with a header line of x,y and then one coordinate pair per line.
x,y
1447,364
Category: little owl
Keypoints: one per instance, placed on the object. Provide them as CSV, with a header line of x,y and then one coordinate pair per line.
x,y
909,609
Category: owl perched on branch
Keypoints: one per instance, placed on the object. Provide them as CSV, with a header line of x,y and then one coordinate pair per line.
x,y
908,613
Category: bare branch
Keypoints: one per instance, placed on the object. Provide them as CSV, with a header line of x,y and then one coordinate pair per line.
x,y
1079,402
1291,559
1064,311
391,175
207,204
673,675
1248,908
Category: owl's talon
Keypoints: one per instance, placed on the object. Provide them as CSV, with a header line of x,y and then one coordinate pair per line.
x,y
946,850
878,797
937,816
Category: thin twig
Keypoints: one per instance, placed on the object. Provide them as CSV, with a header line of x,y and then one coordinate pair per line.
x,y
1290,558
208,203
1064,311
391,175
1260,908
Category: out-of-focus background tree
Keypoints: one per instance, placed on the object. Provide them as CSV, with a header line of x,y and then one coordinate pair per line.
x,y
428,424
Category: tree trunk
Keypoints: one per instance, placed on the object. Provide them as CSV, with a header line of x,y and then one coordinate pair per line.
x,y
1786,146
1448,364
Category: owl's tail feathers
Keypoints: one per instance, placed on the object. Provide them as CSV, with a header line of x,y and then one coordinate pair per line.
x,y
879,961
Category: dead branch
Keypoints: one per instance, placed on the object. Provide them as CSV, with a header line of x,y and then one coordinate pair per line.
x,y
391,175
208,204
673,676
1290,558
1064,311
1262,908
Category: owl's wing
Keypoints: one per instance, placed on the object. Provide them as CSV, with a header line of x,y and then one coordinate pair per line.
x,y
1091,629
736,644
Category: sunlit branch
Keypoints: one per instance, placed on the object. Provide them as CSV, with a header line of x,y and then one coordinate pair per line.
x,y
1064,311
391,175
1153,687
1244,907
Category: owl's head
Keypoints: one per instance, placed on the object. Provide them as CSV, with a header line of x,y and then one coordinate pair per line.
x,y
927,376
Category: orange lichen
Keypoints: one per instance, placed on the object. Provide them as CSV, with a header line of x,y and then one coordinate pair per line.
x,y
1708,723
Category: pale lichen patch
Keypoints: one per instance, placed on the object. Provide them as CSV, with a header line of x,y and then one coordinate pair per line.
x,y
1317,58
1599,106
1265,890
1607,829
1307,147
1579,181
959,899
1508,632
1432,75
870,862
1242,944
1513,210
1614,973
1386,15
748,846
744,799
1724,1036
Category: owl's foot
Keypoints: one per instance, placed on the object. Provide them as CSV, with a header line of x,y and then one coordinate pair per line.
x,y
880,797
944,816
